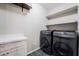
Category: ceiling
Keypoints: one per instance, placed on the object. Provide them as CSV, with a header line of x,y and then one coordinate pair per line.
x,y
50,6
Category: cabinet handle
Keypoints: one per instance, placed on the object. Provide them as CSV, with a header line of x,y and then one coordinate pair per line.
x,y
3,54
7,53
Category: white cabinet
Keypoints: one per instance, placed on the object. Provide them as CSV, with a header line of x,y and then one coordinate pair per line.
x,y
11,53
21,51
14,49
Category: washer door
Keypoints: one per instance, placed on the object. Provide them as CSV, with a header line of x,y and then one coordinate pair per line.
x,y
63,49
44,42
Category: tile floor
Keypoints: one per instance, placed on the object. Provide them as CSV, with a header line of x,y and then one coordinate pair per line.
x,y
38,53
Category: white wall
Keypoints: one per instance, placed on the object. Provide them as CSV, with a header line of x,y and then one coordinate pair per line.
x,y
2,21
13,21
35,21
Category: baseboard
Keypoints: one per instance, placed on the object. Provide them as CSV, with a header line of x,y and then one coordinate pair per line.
x,y
33,50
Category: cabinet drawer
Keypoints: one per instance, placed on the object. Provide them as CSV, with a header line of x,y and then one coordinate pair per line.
x,y
21,51
7,46
12,45
9,53
12,53
13,49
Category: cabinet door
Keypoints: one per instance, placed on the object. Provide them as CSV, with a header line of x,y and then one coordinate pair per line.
x,y
21,51
13,49
9,53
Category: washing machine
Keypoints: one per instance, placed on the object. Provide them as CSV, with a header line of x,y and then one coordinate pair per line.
x,y
45,41
64,43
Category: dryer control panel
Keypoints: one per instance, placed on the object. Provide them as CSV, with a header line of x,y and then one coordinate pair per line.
x,y
64,34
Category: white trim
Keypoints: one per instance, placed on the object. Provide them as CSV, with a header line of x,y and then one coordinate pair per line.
x,y
33,50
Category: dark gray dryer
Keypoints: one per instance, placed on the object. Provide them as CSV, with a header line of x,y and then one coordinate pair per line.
x,y
64,43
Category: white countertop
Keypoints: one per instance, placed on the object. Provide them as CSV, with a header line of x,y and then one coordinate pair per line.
x,y
8,38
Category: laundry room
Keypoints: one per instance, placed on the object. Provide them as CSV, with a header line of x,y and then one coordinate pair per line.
x,y
37,29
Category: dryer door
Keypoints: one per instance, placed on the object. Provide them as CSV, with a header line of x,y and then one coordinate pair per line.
x,y
62,49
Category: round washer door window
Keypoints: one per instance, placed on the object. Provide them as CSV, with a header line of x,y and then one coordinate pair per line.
x,y
63,49
44,42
